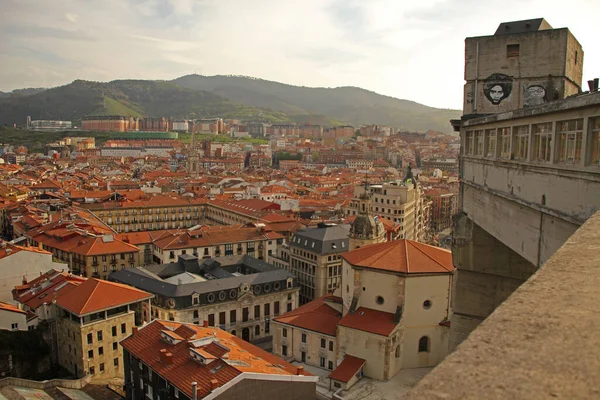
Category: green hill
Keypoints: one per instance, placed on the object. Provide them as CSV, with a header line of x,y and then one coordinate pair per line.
x,y
196,96
349,104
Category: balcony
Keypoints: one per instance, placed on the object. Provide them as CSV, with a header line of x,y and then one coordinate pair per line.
x,y
539,343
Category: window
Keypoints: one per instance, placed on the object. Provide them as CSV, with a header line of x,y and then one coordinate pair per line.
x,y
397,355
257,331
195,299
569,134
323,343
171,254
427,304
469,144
276,308
424,344
379,300
116,362
195,314
123,328
284,350
100,350
490,135
595,141
14,326
479,143
92,370
330,345
176,393
289,307
232,316
229,249
322,362
505,139
304,338
245,314
512,50
330,365
521,142
222,318
115,346
284,332
267,309
256,312
211,319
90,353
101,367
99,333
303,356
542,141
90,338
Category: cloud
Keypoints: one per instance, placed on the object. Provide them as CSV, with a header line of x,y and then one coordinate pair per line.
x,y
412,50
71,17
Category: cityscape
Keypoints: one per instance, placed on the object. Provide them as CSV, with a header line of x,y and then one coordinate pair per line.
x,y
166,241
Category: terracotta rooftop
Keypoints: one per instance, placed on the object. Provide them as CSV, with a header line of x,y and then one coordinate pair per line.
x,y
402,256
96,295
369,320
315,316
347,369
227,356
11,308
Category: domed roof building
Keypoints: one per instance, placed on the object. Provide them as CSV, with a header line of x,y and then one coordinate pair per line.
x,y
366,228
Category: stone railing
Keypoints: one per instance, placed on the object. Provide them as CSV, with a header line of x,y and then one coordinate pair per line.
x,y
543,342
43,385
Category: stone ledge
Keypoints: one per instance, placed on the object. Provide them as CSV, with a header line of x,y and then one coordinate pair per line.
x,y
542,342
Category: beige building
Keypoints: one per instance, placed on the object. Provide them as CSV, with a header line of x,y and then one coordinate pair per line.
x,y
86,252
239,294
217,241
92,318
400,201
529,177
315,257
391,312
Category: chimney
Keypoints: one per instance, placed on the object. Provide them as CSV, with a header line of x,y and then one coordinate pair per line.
x,y
300,371
194,390
214,384
134,330
205,324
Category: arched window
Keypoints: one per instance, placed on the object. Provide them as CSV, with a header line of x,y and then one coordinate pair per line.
x,y
424,344
398,351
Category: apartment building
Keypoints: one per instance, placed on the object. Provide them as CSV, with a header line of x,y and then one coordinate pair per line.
x,y
315,258
156,212
444,204
400,201
239,212
237,293
217,241
390,313
86,253
184,361
92,318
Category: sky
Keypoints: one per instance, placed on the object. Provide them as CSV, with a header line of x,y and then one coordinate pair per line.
x,y
406,49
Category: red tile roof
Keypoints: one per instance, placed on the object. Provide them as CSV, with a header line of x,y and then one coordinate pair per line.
x,y
230,356
403,256
369,320
95,295
347,369
315,316
11,308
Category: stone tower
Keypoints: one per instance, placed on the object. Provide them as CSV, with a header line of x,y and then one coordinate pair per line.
x,y
193,161
366,228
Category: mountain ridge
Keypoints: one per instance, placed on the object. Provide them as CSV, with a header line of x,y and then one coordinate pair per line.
x,y
227,96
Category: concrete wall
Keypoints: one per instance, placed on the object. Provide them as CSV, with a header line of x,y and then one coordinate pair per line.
x,y
546,59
